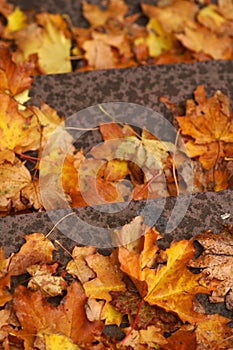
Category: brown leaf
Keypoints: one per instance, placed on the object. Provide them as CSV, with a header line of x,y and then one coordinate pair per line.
x,y
5,296
172,17
116,10
14,78
78,266
217,46
217,263
42,279
209,122
37,249
37,316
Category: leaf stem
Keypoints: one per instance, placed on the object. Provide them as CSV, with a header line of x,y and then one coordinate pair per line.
x,y
134,323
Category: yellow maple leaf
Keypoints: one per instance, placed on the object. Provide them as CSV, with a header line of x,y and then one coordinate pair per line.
x,y
173,283
50,41
59,342
108,276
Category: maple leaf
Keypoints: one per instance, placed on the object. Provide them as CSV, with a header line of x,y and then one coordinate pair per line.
x,y
43,280
108,276
217,263
59,342
172,17
173,282
14,178
194,38
209,123
15,129
49,39
38,317
151,337
78,266
37,249
5,296
116,10
14,78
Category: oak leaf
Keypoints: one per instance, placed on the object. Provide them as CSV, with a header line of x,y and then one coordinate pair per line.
x,y
37,249
209,123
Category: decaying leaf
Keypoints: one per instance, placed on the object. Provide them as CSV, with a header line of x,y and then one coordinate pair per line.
x,y
217,263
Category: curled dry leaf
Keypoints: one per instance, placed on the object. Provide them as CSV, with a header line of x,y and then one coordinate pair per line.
x,y
43,279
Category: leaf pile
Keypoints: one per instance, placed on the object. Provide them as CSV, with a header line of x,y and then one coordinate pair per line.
x,y
68,307
127,166
176,32
207,129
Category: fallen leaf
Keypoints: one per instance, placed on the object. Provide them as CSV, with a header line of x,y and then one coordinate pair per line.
x,y
5,296
78,266
216,261
207,143
174,16
59,342
15,129
49,40
14,78
116,10
42,279
108,276
194,38
37,249
93,309
110,315
37,316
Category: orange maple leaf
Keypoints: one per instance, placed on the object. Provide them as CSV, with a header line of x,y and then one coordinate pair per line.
x,y
209,123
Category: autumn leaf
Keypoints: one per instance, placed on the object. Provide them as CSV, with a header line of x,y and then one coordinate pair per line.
x,y
14,78
14,178
108,276
209,123
15,129
38,317
49,39
43,279
37,249
194,38
216,261
5,296
172,17
78,266
173,282
116,10
59,342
